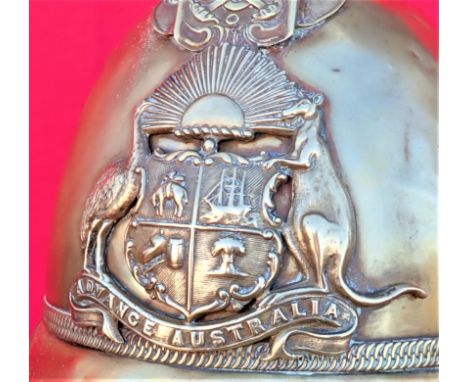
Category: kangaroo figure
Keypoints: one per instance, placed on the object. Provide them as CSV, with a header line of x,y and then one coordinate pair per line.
x,y
320,228
172,188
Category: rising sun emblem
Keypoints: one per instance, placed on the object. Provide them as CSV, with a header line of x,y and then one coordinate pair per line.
x,y
225,91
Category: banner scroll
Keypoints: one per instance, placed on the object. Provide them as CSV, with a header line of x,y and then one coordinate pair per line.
x,y
308,319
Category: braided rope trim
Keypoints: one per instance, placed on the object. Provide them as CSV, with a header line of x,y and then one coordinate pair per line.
x,y
197,131
409,354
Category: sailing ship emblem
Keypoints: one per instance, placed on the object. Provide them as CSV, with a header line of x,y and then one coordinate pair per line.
x,y
228,202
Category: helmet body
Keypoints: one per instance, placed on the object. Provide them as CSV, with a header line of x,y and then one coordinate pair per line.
x,y
376,88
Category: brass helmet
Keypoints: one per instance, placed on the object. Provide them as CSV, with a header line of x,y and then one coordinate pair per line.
x,y
253,188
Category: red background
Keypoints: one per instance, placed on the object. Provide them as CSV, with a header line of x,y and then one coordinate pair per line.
x,y
70,41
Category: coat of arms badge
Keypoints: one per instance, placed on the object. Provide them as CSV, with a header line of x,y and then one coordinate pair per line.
x,y
236,223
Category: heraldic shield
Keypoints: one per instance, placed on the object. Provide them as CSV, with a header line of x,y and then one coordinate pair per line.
x,y
198,242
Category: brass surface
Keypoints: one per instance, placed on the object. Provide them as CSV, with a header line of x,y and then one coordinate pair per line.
x,y
236,202
53,359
